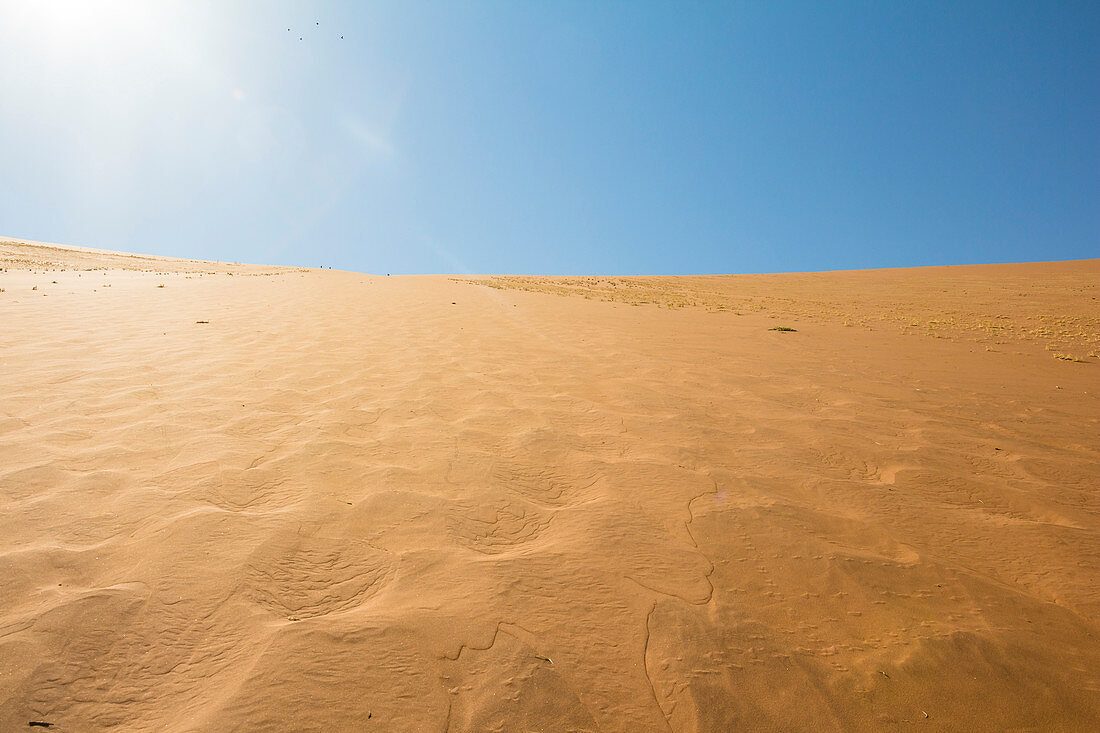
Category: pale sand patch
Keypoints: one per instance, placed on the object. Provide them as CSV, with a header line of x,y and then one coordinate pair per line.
x,y
265,498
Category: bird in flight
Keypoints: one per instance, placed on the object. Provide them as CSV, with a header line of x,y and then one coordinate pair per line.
x,y
302,38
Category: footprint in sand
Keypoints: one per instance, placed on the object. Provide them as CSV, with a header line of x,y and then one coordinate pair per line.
x,y
251,489
305,577
495,528
542,486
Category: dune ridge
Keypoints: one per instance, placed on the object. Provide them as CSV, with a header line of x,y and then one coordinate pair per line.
x,y
263,498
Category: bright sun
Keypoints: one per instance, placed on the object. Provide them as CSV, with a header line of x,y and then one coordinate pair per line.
x,y
71,29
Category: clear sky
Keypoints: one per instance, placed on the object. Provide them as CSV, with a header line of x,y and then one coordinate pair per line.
x,y
555,137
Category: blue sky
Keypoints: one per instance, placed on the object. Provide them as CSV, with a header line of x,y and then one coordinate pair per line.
x,y
556,137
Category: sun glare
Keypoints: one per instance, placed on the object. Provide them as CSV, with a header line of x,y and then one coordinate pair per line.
x,y
72,30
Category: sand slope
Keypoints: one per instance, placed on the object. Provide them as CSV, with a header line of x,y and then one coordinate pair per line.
x,y
253,498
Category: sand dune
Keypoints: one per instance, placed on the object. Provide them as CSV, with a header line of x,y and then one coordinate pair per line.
x,y
258,498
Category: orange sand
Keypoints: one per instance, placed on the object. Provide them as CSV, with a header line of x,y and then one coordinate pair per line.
x,y
258,498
